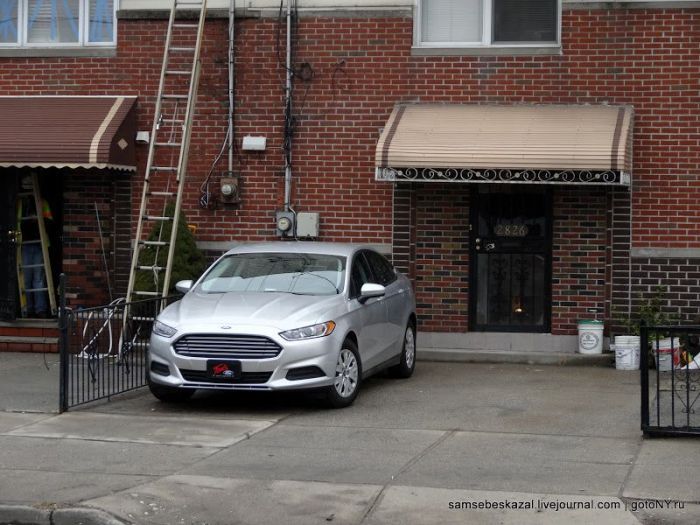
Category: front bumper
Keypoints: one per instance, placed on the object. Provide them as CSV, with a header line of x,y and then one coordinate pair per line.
x,y
167,367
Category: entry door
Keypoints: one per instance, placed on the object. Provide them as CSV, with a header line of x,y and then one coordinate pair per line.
x,y
8,256
511,243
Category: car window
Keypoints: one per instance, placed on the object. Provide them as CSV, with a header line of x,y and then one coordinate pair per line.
x,y
299,273
381,268
359,275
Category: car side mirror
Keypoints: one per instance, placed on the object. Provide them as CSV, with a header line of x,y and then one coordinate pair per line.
x,y
370,290
184,286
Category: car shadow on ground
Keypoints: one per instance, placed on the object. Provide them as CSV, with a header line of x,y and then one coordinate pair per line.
x,y
238,403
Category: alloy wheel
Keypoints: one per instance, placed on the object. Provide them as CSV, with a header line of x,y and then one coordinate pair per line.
x,y
409,347
346,373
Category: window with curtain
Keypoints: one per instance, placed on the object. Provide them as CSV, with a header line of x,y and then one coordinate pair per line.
x,y
49,23
9,22
487,22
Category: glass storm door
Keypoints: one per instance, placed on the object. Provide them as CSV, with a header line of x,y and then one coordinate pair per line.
x,y
511,243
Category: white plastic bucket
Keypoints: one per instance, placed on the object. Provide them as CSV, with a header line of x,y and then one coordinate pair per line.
x,y
627,352
590,337
665,353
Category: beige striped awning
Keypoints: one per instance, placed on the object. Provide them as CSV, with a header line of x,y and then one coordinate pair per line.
x,y
521,143
68,131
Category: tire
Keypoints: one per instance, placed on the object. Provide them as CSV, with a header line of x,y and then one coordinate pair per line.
x,y
348,376
169,394
407,364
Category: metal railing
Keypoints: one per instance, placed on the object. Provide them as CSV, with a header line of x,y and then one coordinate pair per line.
x,y
101,354
670,380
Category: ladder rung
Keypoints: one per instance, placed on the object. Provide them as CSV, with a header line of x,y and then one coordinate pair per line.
x,y
152,268
153,243
184,24
31,242
25,194
162,193
145,293
157,218
182,49
170,144
32,266
178,72
163,168
29,218
179,97
36,289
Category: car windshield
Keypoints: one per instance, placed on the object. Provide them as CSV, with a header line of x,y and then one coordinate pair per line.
x,y
298,273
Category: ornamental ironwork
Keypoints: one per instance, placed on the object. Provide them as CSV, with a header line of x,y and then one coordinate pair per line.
x,y
588,177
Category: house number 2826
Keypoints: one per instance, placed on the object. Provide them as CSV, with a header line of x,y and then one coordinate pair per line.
x,y
511,230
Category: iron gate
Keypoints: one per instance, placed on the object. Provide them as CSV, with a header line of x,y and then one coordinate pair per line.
x,y
670,380
101,355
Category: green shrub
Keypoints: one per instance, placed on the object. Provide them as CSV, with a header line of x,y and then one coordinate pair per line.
x,y
188,261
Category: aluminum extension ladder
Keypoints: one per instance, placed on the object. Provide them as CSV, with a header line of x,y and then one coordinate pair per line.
x,y
33,197
168,151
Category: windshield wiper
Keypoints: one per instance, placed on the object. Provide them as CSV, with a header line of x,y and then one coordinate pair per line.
x,y
320,277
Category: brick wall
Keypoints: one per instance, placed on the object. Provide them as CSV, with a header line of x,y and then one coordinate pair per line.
x,y
83,262
579,256
679,279
442,256
647,58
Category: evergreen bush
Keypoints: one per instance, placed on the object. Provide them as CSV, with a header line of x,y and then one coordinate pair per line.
x,y
188,261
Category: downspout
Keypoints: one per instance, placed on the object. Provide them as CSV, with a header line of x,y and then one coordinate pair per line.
x,y
231,66
288,115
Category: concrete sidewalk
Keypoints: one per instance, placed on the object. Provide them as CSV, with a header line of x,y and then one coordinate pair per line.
x,y
457,443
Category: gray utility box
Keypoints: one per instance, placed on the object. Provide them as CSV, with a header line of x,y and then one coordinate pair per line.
x,y
307,225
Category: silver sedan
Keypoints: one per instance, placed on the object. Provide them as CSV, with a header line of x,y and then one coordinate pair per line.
x,y
286,315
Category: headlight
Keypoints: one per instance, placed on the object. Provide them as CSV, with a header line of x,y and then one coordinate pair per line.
x,y
163,329
309,332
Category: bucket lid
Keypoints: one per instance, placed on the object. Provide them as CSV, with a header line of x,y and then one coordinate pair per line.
x,y
590,321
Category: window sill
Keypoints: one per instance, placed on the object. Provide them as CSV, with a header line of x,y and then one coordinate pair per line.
x,y
486,51
10,52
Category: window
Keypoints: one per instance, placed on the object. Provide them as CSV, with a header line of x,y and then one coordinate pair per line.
x,y
381,268
57,23
360,274
487,23
297,273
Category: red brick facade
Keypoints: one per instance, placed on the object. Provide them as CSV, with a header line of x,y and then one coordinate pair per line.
x,y
646,58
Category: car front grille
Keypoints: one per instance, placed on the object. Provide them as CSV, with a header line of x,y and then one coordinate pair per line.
x,y
212,346
200,376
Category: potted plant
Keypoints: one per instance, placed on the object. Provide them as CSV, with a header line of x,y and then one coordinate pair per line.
x,y
650,312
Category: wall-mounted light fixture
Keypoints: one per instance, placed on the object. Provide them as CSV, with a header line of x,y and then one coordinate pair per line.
x,y
143,137
251,143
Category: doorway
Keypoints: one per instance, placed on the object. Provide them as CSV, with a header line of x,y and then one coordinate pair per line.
x,y
511,259
51,190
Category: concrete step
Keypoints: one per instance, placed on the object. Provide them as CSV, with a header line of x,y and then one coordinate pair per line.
x,y
29,335
606,359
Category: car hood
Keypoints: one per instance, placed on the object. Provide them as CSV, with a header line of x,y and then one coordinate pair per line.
x,y
282,310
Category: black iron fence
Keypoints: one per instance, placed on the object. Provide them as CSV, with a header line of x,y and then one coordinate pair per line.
x,y
670,374
104,349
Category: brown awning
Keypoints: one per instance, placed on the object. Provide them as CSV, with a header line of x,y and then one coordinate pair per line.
x,y
70,131
484,143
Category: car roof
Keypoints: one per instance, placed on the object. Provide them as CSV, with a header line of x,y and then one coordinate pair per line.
x,y
326,248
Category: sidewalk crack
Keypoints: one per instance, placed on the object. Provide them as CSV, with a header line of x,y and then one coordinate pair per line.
x,y
380,495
